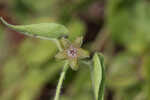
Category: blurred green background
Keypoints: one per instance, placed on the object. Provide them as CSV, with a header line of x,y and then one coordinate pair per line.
x,y
120,29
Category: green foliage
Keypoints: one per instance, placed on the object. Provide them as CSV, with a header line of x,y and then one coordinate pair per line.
x,y
122,72
29,80
43,30
72,53
98,76
128,22
117,28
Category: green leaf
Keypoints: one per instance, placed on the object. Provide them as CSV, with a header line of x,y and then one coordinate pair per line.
x,y
42,30
98,76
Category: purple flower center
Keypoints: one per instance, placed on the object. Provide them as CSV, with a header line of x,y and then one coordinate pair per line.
x,y
72,52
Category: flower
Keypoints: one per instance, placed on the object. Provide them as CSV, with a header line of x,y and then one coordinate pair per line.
x,y
72,52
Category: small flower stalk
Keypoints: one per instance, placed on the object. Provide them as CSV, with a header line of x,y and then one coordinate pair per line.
x,y
72,52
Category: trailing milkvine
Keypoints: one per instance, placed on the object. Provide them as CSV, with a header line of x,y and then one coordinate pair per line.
x,y
70,51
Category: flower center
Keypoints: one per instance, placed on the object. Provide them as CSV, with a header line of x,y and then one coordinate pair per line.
x,y
72,52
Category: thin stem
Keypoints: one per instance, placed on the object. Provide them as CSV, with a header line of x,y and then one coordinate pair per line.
x,y
58,44
62,76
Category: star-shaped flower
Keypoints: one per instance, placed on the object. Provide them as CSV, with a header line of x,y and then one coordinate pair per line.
x,y
72,52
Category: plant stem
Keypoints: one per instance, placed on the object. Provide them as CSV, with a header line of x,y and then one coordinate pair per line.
x,y
62,76
58,44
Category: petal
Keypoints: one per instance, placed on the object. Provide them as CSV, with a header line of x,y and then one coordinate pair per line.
x,y
65,42
61,55
73,64
83,53
78,42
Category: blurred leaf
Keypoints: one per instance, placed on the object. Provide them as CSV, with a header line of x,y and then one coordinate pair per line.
x,y
12,71
1,40
98,76
141,38
120,21
43,30
141,96
40,6
129,93
122,72
37,78
76,28
83,96
76,87
37,52
146,72
128,23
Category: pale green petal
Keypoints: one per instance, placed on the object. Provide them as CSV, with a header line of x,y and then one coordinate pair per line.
x,y
65,43
83,53
78,42
61,55
73,64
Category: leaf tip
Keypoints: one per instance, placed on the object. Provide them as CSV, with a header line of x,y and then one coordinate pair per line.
x,y
1,19
4,22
